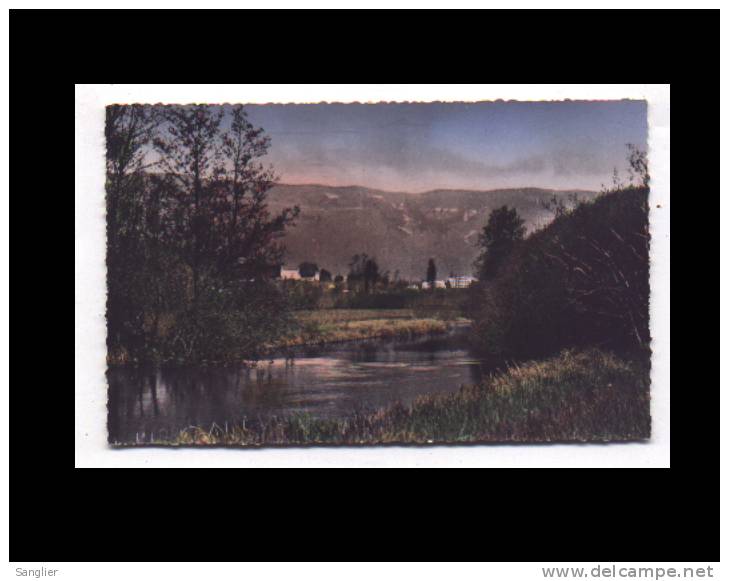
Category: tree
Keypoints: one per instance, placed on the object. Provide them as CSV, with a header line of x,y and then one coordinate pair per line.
x,y
371,273
363,269
217,215
133,279
325,275
195,240
503,230
308,269
431,273
638,162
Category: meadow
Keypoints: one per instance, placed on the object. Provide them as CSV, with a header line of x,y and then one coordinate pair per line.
x,y
337,325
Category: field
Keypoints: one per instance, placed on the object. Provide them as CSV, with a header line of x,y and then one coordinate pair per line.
x,y
576,396
336,325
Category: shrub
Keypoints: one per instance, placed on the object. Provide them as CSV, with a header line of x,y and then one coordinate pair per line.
x,y
582,280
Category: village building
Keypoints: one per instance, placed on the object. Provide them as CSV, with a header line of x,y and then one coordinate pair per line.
x,y
290,274
436,284
461,281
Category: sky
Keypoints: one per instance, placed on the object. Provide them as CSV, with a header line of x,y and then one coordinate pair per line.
x,y
416,147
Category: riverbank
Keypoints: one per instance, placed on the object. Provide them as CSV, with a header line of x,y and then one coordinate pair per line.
x,y
324,326
588,396
340,325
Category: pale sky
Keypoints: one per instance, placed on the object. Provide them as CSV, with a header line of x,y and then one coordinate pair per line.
x,y
418,147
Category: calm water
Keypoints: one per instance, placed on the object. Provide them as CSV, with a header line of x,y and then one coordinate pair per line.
x,y
156,403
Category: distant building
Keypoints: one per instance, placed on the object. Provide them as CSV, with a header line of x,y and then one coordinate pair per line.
x,y
436,284
461,281
290,274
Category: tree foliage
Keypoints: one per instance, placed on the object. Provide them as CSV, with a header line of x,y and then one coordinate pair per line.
x,y
500,234
582,280
308,269
191,238
364,272
431,273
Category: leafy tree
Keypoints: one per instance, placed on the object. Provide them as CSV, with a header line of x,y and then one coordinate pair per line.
x,y
363,270
583,280
431,273
371,273
500,234
133,290
191,245
325,275
638,162
219,219
308,269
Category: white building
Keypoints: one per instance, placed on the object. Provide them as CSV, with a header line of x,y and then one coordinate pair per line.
x,y
290,274
436,284
461,281
294,274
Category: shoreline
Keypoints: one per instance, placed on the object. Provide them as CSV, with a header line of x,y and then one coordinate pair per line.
x,y
374,329
574,396
315,333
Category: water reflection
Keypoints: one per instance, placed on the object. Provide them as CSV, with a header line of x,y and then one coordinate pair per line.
x,y
146,404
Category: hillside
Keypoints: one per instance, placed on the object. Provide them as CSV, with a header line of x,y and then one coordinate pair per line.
x,y
402,230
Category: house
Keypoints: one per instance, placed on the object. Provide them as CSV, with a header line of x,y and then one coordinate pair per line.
x,y
436,284
461,281
290,273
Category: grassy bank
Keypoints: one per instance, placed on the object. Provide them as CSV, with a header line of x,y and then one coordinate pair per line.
x,y
576,396
336,325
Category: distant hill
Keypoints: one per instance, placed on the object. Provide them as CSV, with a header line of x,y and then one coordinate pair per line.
x,y
402,230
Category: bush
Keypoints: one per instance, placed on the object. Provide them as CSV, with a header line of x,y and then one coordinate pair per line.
x,y
582,280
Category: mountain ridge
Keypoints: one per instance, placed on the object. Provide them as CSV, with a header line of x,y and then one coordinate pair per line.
x,y
402,230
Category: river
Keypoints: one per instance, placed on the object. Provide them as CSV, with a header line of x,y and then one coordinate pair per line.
x,y
148,403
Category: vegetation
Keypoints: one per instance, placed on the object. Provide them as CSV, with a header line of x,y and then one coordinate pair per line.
x,y
191,240
575,396
364,273
580,281
336,325
308,269
431,273
499,236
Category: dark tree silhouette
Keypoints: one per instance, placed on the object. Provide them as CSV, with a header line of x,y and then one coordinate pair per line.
x,y
371,273
218,214
363,270
193,241
502,231
638,161
431,273
308,269
130,219
325,275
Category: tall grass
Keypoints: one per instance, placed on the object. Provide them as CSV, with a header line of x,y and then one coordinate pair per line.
x,y
338,325
575,396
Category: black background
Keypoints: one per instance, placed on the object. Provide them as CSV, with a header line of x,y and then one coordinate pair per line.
x,y
59,513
